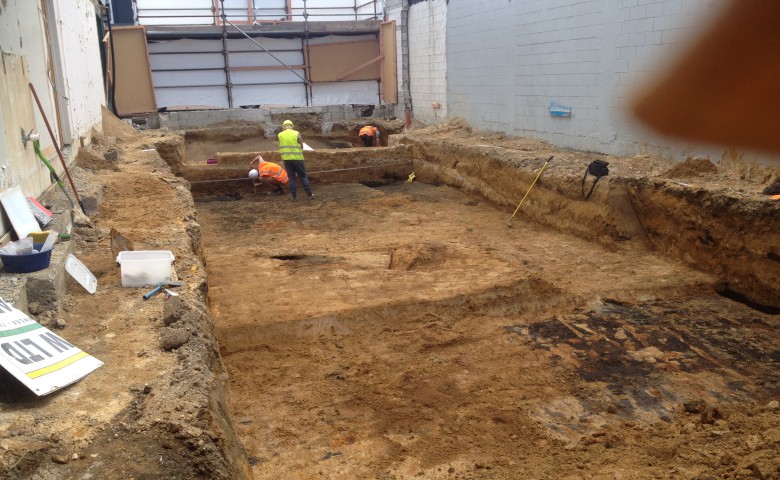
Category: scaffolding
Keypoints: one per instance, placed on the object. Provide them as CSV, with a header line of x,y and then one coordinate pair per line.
x,y
254,20
250,12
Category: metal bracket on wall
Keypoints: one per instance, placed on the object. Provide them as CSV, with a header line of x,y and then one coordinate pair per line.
x,y
29,137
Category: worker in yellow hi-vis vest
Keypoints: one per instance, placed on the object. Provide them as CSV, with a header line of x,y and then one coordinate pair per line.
x,y
291,149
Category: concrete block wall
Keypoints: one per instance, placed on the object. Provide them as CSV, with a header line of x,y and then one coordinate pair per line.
x,y
427,60
191,119
507,62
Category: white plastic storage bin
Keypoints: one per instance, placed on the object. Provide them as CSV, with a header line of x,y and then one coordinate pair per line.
x,y
145,267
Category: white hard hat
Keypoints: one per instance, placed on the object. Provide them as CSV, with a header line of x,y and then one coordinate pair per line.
x,y
253,174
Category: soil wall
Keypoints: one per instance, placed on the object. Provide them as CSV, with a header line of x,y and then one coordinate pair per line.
x,y
721,225
158,407
728,230
365,165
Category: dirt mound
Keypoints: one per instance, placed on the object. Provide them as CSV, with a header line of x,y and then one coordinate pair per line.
x,y
417,255
692,167
90,160
114,127
456,127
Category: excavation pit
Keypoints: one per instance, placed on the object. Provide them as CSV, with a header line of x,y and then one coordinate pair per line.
x,y
476,343
395,328
401,330
216,160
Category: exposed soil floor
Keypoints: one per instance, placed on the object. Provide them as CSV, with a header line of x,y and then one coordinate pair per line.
x,y
406,332
394,333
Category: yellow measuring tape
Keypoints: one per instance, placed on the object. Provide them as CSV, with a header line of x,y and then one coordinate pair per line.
x,y
529,190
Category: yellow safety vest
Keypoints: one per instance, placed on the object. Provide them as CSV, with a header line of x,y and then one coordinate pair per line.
x,y
289,147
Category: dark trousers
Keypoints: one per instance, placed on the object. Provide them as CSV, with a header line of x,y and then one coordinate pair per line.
x,y
271,182
368,140
293,167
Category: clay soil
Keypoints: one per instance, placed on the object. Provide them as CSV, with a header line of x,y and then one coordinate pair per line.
x,y
395,332
406,332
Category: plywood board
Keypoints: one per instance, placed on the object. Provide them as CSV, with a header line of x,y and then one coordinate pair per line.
x,y
134,91
389,62
329,62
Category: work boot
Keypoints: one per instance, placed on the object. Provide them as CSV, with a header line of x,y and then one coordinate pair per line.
x,y
292,197
277,192
310,195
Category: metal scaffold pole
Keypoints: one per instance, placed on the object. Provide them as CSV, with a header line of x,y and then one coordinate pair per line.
x,y
266,51
307,85
226,55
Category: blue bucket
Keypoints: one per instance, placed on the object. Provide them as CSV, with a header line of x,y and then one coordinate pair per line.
x,y
32,262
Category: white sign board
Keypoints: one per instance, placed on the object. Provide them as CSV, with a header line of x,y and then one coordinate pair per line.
x,y
41,360
18,211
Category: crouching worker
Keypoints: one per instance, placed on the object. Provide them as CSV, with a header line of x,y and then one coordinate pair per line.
x,y
367,134
268,173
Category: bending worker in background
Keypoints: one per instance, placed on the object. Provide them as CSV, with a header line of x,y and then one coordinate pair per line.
x,y
290,147
367,134
268,173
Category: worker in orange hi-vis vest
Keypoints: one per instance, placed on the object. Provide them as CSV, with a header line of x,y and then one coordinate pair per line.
x,y
367,134
268,173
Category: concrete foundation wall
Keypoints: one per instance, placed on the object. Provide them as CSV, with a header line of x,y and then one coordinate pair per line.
x,y
185,120
427,60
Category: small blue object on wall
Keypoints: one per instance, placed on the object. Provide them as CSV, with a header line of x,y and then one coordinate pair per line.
x,y
558,110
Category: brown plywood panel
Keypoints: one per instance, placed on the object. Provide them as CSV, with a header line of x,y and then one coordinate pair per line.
x,y
134,91
331,61
389,62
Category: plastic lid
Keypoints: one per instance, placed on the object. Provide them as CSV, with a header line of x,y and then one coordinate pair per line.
x,y
81,273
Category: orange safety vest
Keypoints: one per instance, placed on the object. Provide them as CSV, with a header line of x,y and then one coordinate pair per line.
x,y
368,130
269,169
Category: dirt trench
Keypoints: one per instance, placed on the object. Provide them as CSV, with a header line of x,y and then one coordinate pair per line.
x,y
423,341
402,330
392,329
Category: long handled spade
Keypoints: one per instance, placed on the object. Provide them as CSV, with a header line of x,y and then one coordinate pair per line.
x,y
37,146
509,223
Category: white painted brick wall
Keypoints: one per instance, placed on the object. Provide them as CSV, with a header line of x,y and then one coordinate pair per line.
x,y
427,60
507,60
82,70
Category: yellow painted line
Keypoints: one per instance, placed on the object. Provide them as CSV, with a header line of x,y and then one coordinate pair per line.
x,y
57,366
